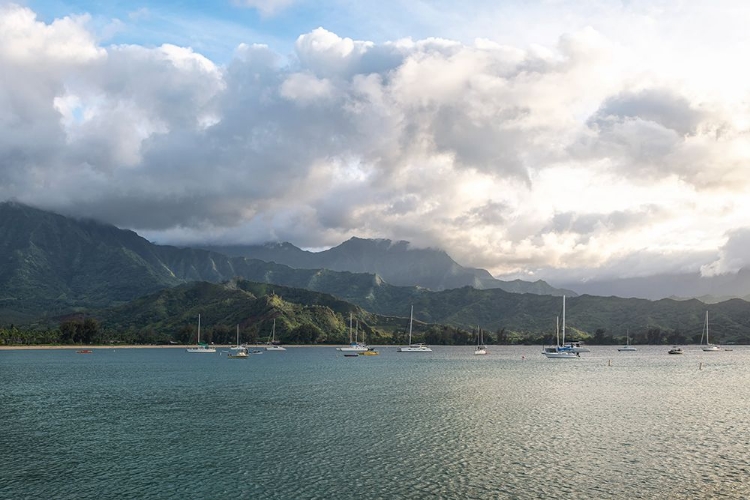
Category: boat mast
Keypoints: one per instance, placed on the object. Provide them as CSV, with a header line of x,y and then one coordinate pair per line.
x,y
350,328
707,341
411,317
199,328
563,325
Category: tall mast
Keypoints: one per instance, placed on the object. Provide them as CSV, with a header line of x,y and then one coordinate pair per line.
x,y
411,317
707,341
199,328
563,325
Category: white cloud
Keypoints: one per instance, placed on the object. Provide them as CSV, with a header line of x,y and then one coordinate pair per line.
x,y
733,255
576,156
305,88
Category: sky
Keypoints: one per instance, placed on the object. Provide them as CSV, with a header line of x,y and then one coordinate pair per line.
x,y
568,141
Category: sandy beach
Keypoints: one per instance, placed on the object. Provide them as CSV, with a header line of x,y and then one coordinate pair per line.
x,y
132,346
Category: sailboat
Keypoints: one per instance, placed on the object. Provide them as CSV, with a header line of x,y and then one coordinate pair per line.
x,y
560,351
709,347
627,346
413,347
353,346
272,343
200,347
481,348
237,351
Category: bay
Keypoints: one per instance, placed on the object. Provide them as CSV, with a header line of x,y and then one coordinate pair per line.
x,y
311,423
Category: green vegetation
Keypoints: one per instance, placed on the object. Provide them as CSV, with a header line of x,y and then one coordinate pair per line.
x,y
55,269
445,318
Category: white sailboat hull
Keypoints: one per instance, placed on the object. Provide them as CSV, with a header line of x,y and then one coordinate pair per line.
x,y
561,355
414,348
201,349
353,348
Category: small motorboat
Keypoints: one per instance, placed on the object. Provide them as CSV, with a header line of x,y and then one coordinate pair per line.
x,y
675,350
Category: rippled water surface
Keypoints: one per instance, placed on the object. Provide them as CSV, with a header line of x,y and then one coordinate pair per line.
x,y
311,423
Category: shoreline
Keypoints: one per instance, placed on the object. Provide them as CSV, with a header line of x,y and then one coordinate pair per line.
x,y
137,346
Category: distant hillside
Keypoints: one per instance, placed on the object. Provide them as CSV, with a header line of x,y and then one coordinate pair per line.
x,y
524,317
396,262
301,316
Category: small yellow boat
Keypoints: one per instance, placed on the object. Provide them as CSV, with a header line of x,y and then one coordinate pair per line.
x,y
370,352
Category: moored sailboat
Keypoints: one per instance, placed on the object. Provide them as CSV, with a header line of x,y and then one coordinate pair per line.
x,y
237,351
708,347
560,351
413,347
273,344
354,345
201,347
627,346
481,348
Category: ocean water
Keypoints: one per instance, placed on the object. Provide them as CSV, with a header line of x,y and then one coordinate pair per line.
x,y
309,423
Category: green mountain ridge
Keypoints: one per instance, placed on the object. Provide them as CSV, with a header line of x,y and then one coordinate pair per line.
x,y
300,316
53,265
505,316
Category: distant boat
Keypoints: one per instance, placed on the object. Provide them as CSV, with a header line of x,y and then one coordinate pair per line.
x,y
353,346
201,347
237,351
413,347
627,346
370,350
675,350
272,343
708,347
560,351
481,348
85,351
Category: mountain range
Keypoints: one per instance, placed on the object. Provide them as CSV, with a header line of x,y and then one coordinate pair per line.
x,y
396,262
53,265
